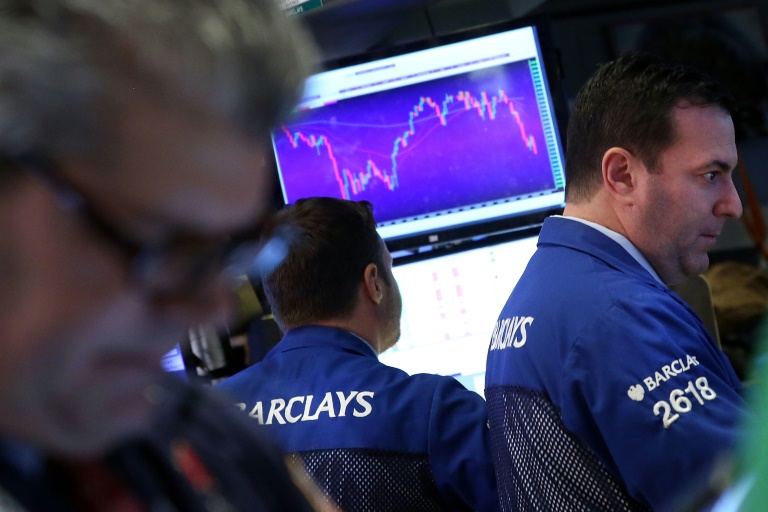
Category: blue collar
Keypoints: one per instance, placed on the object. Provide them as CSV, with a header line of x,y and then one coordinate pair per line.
x,y
314,336
581,237
622,241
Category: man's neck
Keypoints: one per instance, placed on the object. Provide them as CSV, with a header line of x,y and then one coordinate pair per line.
x,y
597,212
355,327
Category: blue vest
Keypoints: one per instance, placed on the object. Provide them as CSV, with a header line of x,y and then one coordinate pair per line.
x,y
323,391
634,373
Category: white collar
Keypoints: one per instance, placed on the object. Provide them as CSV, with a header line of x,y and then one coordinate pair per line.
x,y
622,241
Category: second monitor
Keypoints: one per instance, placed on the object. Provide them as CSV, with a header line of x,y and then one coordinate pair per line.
x,y
450,307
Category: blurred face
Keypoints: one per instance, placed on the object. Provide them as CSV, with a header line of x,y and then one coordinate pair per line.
x,y
393,305
82,341
681,211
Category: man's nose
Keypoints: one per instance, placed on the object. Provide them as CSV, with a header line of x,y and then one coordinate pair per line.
x,y
729,204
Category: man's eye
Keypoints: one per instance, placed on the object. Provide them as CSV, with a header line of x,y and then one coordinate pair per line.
x,y
710,176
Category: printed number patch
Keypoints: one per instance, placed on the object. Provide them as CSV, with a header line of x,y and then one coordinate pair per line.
x,y
679,403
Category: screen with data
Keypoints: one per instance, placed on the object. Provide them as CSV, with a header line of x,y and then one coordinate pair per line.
x,y
173,362
456,135
450,307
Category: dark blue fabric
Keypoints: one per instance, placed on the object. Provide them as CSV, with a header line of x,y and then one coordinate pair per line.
x,y
614,350
247,472
541,466
386,410
29,481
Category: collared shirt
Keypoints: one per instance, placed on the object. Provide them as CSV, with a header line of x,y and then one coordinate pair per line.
x,y
619,239
633,372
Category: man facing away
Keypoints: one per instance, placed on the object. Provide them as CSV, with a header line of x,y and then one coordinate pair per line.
x,y
373,437
131,153
594,363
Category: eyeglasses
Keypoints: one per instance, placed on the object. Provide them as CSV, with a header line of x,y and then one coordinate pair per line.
x,y
185,264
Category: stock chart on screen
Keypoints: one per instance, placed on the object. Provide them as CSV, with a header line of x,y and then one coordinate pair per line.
x,y
433,138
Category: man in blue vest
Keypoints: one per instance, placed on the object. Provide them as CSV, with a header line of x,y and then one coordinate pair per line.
x,y
373,437
595,365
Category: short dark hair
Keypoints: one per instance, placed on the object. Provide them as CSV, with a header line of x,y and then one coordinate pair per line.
x,y
628,103
332,241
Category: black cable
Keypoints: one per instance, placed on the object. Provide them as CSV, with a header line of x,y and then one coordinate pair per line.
x,y
429,22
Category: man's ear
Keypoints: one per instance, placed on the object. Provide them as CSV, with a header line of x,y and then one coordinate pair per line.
x,y
620,172
371,283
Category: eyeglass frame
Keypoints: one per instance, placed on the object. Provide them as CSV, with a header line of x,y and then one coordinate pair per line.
x,y
241,254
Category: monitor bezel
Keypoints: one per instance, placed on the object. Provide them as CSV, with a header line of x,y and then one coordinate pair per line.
x,y
550,60
459,246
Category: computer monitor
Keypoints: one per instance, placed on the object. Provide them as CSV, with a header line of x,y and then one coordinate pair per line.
x,y
173,362
450,306
449,138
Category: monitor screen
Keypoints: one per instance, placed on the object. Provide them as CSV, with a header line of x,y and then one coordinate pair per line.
x,y
450,138
173,362
450,307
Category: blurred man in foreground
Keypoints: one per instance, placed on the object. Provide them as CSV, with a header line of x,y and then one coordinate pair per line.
x,y
373,437
131,157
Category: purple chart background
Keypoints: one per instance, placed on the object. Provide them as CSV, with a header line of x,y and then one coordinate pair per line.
x,y
354,149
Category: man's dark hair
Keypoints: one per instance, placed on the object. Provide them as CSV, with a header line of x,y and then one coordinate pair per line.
x,y
332,241
628,103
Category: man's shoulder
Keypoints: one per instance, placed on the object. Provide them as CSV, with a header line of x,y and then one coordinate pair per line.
x,y
434,382
197,435
309,363
594,312
242,380
333,371
572,254
560,275
565,283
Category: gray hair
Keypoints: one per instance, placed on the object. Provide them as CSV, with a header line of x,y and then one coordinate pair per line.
x,y
61,60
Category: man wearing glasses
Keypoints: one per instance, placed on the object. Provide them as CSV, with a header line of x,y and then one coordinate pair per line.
x,y
131,158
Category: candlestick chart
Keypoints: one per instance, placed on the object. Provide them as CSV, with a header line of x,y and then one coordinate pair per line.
x,y
427,147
